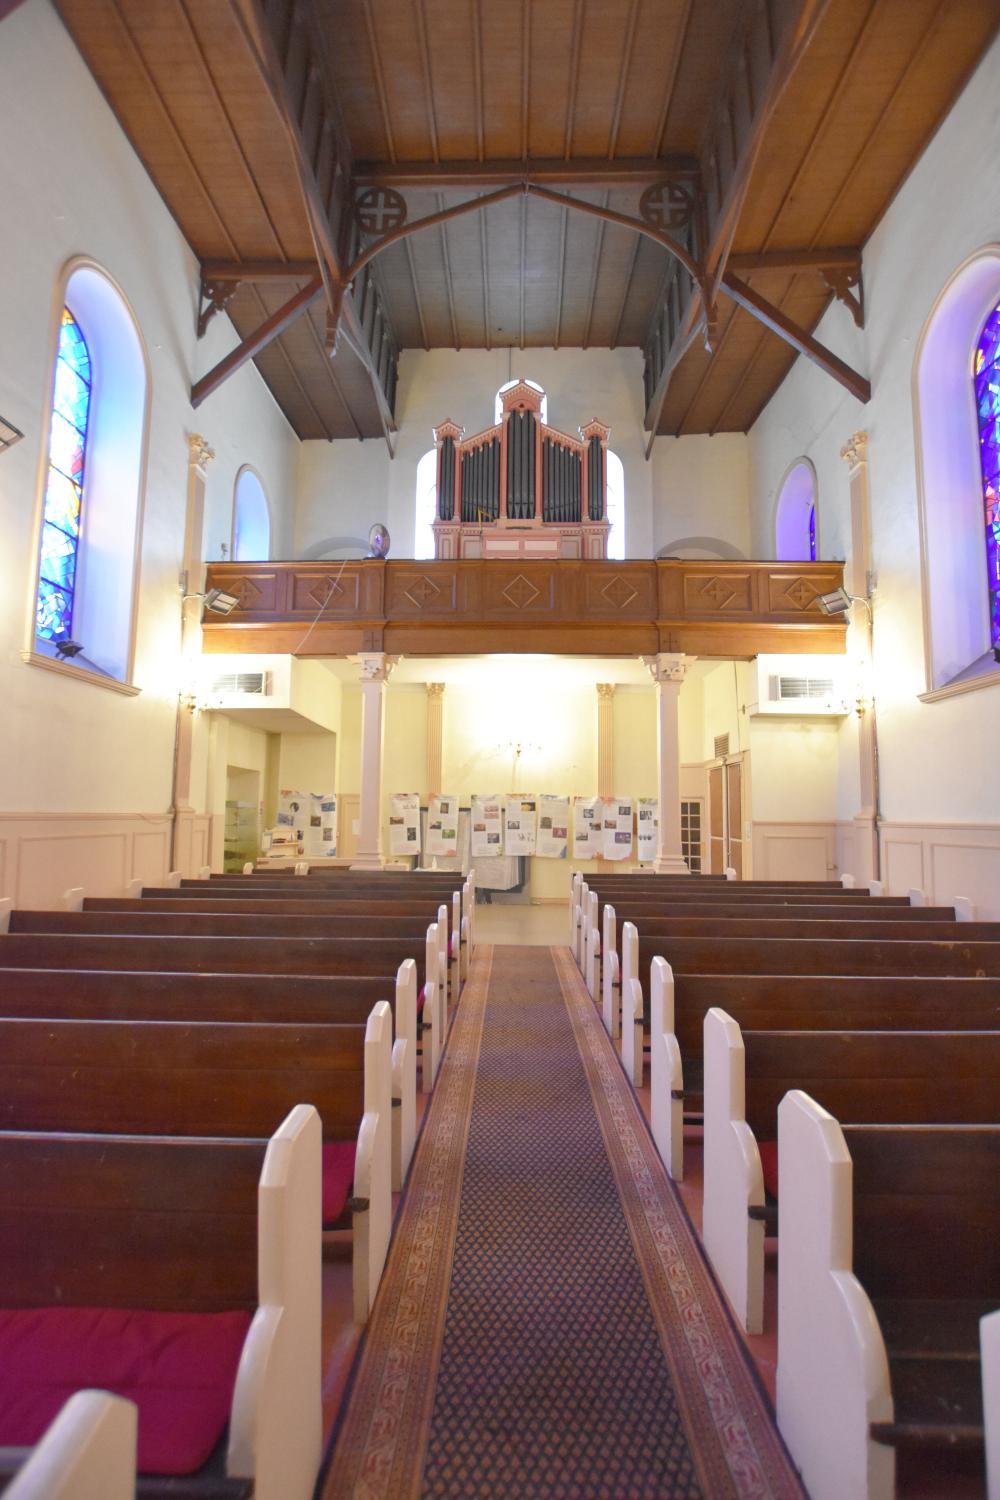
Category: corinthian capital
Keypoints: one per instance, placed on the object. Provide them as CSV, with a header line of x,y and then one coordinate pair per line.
x,y
855,450
200,455
666,667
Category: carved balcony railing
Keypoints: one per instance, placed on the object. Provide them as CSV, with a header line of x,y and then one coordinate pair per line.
x,y
462,608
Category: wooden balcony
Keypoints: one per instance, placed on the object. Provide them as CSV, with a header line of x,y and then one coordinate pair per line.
x,y
465,608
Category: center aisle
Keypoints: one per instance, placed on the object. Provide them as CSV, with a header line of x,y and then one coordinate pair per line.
x,y
546,1326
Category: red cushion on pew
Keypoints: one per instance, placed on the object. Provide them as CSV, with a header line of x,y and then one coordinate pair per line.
x,y
179,1369
338,1177
769,1161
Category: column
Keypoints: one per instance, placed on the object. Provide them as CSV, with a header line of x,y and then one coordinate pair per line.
x,y
605,739
857,580
375,669
668,673
200,455
435,736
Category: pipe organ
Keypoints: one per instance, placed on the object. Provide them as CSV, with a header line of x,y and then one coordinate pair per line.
x,y
521,488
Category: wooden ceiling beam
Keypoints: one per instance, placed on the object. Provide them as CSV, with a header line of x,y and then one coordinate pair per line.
x,y
803,342
240,271
258,340
750,262
581,171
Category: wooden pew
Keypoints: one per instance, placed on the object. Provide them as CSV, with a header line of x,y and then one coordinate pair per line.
x,y
88,1453
103,995
173,1226
877,1330
773,1002
875,1077
324,957
232,1079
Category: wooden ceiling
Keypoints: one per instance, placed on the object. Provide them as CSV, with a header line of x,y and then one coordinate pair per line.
x,y
447,99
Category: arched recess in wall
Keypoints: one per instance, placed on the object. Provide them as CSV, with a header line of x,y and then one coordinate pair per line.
x,y
92,480
251,518
949,476
335,547
795,514
701,547
425,503
615,470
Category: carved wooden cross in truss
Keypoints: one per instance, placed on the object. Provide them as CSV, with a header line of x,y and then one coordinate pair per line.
x,y
379,210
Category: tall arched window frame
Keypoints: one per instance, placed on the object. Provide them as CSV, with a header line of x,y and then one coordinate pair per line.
x,y
91,484
426,506
251,518
795,514
62,513
616,506
986,375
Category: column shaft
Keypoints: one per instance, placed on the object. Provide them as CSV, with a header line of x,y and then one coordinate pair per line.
x,y
375,669
668,674
605,739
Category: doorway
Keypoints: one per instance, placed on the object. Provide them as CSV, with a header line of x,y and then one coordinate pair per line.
x,y
726,817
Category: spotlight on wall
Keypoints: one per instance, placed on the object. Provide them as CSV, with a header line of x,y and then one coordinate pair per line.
x,y
219,603
840,601
9,434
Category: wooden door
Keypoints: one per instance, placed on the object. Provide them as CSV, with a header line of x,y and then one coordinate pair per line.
x,y
734,816
716,820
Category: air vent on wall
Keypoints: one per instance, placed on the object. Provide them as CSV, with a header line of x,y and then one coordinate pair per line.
x,y
812,688
721,745
240,682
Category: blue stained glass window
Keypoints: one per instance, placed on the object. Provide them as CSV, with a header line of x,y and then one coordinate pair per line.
x,y
812,533
62,514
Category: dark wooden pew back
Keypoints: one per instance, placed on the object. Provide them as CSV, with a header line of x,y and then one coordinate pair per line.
x,y
211,955
221,924
831,928
728,955
316,906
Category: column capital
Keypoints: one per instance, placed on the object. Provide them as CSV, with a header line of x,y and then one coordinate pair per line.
x,y
435,689
376,666
855,450
605,689
668,667
200,454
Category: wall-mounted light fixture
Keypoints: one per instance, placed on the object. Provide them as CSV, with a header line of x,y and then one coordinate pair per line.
x,y
9,434
840,601
217,602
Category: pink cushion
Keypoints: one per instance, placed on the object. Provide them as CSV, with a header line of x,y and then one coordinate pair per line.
x,y
769,1161
338,1177
179,1369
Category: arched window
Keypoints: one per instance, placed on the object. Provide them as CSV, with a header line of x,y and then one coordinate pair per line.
x,y
426,502
795,515
251,519
987,381
616,506
91,506
508,385
62,514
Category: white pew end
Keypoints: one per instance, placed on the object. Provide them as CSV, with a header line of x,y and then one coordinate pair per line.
x,y
72,900
205,872
989,1348
581,927
731,873
432,1014
404,1073
847,881
275,1428
592,943
373,1164
6,907
833,1373
87,1453
964,909
442,963
574,902
631,1042
134,889
248,867
917,897
455,942
875,888
172,880
301,867
734,1178
611,984
666,1075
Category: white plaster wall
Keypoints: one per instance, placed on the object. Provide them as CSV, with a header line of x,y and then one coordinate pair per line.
x,y
73,186
937,760
701,489
345,486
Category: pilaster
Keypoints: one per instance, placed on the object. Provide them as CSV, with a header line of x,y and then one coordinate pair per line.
x,y
375,668
860,644
200,455
668,672
605,739
435,736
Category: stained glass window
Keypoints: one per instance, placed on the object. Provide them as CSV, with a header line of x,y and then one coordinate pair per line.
x,y
62,513
812,533
987,377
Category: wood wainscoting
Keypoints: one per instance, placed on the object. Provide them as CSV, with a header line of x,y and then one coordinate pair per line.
x,y
43,854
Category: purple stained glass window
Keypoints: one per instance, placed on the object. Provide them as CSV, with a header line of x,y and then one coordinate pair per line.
x,y
987,378
62,513
812,533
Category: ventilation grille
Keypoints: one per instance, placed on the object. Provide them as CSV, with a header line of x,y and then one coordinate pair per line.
x,y
721,745
256,683
813,688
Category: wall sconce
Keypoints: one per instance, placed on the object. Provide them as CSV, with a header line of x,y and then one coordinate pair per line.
x,y
840,601
217,602
9,434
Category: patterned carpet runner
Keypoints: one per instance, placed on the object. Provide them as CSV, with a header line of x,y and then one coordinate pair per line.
x,y
547,1327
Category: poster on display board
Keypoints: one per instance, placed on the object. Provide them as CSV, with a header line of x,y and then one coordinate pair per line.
x,y
487,826
553,827
442,825
588,827
306,826
648,809
617,827
404,823
520,812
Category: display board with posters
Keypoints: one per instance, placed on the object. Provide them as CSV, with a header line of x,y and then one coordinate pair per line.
x,y
487,826
588,827
520,812
617,827
404,823
553,827
442,825
648,819
306,827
